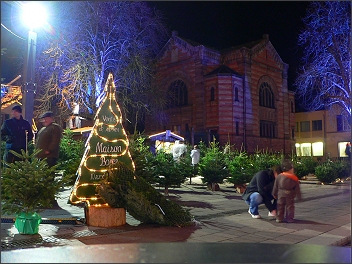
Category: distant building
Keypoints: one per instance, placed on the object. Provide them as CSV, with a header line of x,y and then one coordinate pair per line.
x,y
238,95
322,134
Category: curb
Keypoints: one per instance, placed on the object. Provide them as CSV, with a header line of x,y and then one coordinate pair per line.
x,y
72,221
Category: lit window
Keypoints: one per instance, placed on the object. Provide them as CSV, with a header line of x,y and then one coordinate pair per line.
x,y
342,147
318,148
306,149
298,149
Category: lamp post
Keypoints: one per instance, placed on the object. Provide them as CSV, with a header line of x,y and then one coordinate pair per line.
x,y
33,16
29,86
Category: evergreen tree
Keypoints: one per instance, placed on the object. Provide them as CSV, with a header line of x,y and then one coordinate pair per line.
x,y
106,145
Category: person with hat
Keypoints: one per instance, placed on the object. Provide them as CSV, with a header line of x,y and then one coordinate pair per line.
x,y
48,138
17,133
48,141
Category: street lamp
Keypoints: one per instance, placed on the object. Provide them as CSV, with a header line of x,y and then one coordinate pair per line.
x,y
33,16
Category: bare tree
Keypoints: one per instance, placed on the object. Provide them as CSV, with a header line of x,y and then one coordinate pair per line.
x,y
94,39
324,80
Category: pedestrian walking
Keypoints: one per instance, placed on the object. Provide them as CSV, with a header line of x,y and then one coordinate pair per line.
x,y
259,191
17,133
286,188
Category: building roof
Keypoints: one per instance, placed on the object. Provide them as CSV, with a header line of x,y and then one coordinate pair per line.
x,y
223,70
166,136
248,45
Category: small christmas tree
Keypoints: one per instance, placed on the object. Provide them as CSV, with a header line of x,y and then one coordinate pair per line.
x,y
106,145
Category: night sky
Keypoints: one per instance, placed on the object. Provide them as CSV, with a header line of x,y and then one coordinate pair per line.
x,y
218,24
223,24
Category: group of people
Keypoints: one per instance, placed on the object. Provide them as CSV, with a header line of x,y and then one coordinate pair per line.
x,y
17,132
277,189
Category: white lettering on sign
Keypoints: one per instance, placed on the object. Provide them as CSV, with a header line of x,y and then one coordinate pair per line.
x,y
96,176
112,129
107,162
109,118
100,148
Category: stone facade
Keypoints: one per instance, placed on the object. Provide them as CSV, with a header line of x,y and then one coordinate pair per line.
x,y
238,95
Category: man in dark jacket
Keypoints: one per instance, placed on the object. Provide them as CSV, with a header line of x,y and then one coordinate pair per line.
x,y
17,133
48,139
259,191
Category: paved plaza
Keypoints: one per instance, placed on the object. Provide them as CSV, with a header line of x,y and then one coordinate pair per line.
x,y
323,218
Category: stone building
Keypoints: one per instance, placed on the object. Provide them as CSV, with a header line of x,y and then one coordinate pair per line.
x,y
238,95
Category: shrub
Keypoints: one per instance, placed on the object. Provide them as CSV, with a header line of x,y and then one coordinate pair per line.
x,y
342,168
212,165
265,160
28,185
125,189
241,168
70,155
304,165
143,158
172,171
326,172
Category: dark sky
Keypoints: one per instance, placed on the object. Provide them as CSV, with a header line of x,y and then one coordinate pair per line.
x,y
222,24
218,24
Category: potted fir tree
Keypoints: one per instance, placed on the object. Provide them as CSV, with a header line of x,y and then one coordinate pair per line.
x,y
26,189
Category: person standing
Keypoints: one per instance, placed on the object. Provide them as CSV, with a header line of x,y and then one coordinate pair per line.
x,y
286,188
259,192
195,155
17,133
48,139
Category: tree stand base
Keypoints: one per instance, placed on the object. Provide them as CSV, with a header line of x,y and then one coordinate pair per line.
x,y
104,216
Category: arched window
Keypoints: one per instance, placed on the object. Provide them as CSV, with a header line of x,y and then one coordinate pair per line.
x,y
177,94
266,95
212,94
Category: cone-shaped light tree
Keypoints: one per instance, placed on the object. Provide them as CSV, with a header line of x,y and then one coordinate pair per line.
x,y
107,144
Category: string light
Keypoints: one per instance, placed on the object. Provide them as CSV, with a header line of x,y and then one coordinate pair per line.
x,y
95,163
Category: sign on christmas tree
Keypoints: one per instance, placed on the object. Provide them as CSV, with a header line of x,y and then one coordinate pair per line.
x,y
106,145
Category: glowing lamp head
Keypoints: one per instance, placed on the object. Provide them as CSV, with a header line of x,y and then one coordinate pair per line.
x,y
33,14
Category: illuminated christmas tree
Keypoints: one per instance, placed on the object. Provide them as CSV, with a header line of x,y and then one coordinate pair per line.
x,y
106,145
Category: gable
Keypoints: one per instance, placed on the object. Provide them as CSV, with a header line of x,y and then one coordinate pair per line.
x,y
266,50
176,49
